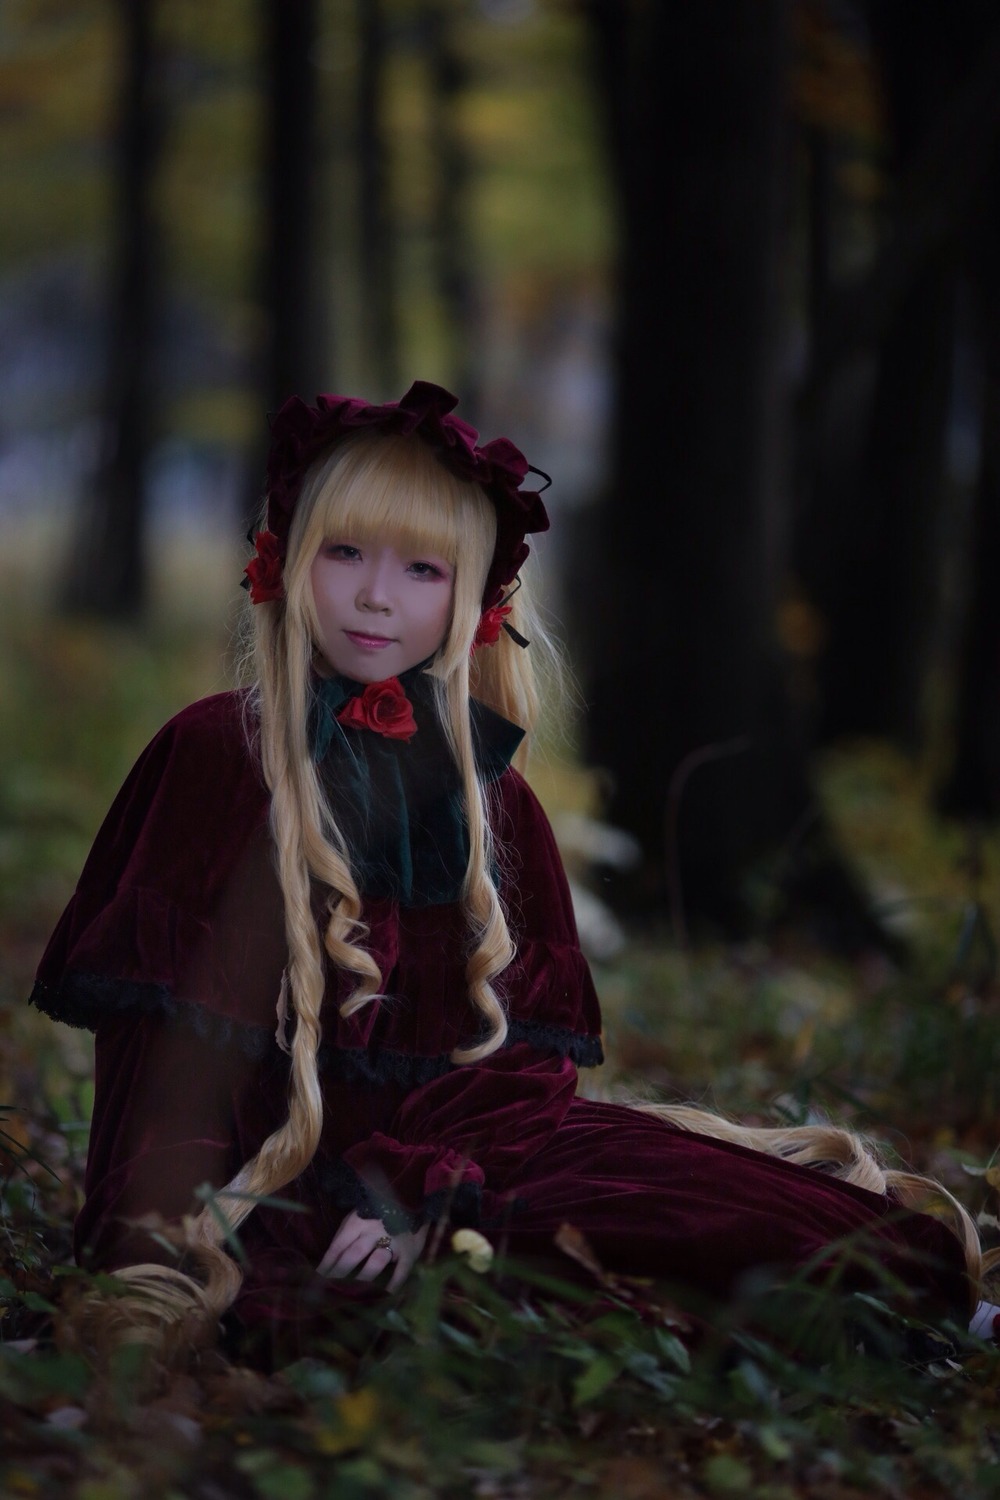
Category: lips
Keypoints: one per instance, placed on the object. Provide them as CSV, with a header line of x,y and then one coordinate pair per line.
x,y
368,642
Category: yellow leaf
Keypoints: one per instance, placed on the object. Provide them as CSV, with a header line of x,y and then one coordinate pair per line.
x,y
22,1483
356,1412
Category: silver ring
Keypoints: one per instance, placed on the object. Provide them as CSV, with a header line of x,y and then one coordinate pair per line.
x,y
383,1242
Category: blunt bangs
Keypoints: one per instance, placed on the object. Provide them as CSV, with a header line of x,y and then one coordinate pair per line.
x,y
394,490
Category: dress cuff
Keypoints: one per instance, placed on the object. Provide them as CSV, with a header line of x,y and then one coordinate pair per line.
x,y
408,1185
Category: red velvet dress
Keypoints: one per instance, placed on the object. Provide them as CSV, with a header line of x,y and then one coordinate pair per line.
x,y
173,948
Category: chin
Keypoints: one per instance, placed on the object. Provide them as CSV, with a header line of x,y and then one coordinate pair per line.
x,y
367,670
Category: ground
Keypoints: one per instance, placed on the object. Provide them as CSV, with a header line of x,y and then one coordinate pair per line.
x,y
498,1382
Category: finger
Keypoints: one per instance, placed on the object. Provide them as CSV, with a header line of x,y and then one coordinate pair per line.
x,y
350,1229
374,1265
404,1265
346,1252
345,1265
332,1257
357,1241
409,1252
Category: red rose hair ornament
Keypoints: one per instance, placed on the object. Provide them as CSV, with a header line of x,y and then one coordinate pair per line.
x,y
494,620
263,572
491,623
384,708
301,433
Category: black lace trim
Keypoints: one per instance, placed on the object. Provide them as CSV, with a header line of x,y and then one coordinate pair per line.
x,y
584,1051
460,1205
349,1192
354,1065
84,999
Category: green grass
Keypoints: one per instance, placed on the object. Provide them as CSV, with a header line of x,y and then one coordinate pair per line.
x,y
509,1383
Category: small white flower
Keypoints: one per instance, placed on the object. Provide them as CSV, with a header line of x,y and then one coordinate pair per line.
x,y
475,1247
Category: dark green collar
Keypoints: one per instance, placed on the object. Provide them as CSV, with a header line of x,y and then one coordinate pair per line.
x,y
495,738
399,803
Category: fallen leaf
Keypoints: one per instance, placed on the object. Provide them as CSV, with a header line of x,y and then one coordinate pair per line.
x,y
573,1243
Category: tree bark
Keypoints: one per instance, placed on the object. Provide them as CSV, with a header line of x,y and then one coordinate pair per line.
x,y
378,271
452,249
868,542
972,787
293,360
688,709
107,573
292,355
867,548
945,146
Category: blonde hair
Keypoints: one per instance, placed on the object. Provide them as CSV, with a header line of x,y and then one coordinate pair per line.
x,y
391,487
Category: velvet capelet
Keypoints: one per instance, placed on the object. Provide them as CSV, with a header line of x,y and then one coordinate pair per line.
x,y
178,912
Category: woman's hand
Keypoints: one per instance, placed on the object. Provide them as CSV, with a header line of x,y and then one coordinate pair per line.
x,y
359,1249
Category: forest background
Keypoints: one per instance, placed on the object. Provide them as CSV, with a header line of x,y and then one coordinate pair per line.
x,y
727,271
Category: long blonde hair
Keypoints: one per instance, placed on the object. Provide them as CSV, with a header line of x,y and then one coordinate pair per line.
x,y
394,488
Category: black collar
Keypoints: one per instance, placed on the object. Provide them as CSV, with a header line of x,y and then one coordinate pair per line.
x,y
399,803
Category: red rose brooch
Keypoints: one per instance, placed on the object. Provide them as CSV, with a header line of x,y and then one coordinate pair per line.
x,y
384,708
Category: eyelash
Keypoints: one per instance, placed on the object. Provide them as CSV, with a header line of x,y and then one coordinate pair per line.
x,y
337,550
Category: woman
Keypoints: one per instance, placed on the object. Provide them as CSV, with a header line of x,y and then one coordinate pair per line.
x,y
325,940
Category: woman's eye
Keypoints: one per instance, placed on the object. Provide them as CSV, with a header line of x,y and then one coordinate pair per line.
x,y
426,570
341,550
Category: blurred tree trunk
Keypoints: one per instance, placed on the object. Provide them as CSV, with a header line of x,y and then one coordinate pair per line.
x,y
452,250
972,789
294,353
876,404
380,335
819,229
688,710
868,547
292,356
869,559
107,570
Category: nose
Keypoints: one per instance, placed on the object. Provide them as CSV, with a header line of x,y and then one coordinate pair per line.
x,y
373,590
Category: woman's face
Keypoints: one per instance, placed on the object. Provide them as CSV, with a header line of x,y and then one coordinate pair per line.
x,y
380,611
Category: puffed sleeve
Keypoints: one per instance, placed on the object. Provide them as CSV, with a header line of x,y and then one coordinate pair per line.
x,y
173,1085
171,950
162,1126
144,908
477,1124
